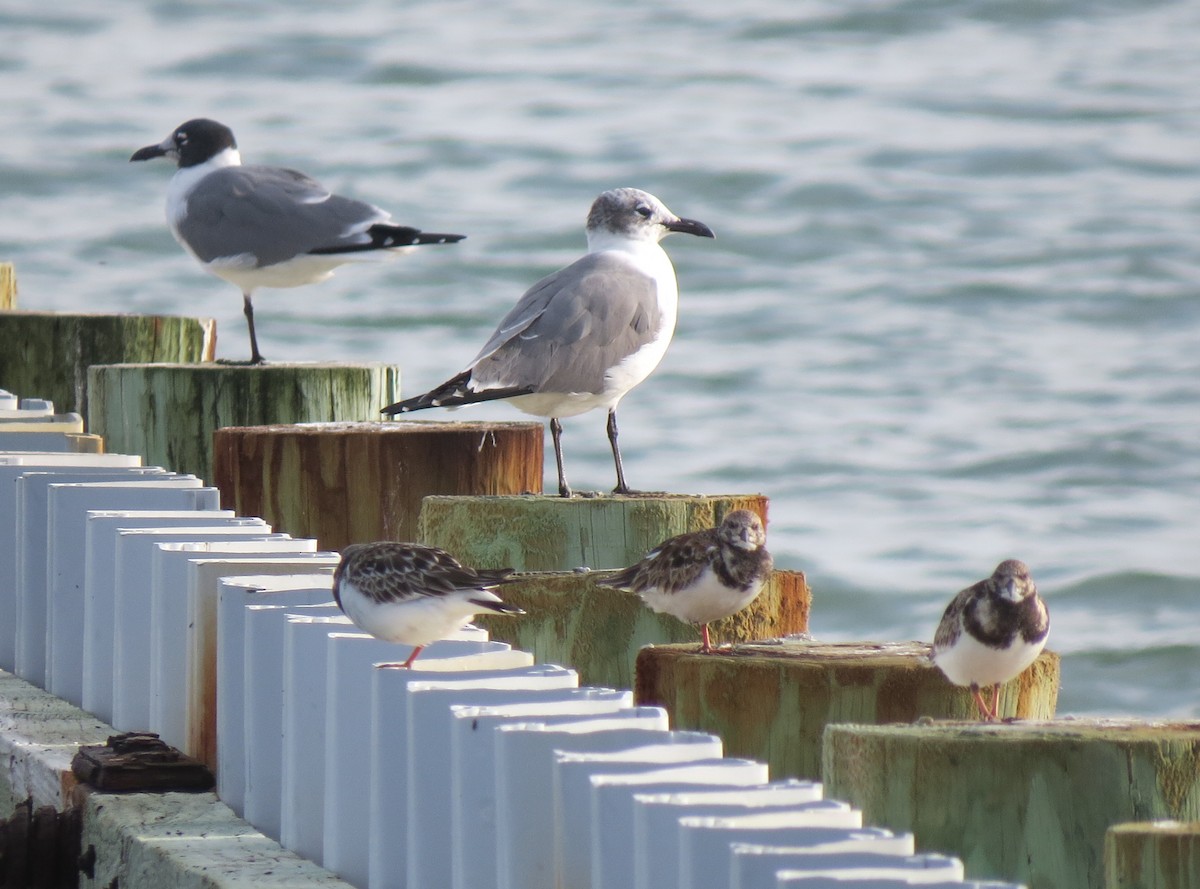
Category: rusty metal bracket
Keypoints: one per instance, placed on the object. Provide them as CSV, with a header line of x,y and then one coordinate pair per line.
x,y
140,761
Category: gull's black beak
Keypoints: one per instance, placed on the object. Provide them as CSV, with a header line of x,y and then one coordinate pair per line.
x,y
687,226
148,153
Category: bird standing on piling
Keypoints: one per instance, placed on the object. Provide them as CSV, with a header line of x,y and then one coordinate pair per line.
x,y
258,226
991,632
703,576
414,594
582,337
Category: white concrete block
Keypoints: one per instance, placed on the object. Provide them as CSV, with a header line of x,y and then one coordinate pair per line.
x,y
117,548
525,826
67,516
235,593
756,867
204,577
31,549
171,630
652,816
882,881
429,722
345,758
12,467
473,772
704,842
391,685
573,774
263,712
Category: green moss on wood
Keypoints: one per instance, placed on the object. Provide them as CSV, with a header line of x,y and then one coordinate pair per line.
x,y
537,533
169,412
1026,801
794,689
1153,855
47,354
599,631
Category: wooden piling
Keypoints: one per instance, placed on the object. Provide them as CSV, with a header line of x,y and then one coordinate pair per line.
x,y
1029,801
47,354
354,482
599,631
773,701
1152,855
8,286
561,534
169,412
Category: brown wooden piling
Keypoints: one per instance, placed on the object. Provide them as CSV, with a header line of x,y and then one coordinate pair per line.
x,y
354,482
1153,855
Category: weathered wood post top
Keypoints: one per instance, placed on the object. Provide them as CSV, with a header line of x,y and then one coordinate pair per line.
x,y
1025,801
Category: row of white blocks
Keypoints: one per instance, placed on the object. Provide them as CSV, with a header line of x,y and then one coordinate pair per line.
x,y
126,590
30,423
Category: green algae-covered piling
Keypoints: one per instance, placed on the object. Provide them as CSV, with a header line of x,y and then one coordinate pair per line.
x,y
1153,855
169,412
1026,801
599,631
355,482
47,354
561,534
772,701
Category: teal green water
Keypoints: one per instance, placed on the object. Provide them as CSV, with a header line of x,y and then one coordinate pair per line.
x,y
952,314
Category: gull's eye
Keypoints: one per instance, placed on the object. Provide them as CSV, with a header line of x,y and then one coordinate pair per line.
x,y
644,211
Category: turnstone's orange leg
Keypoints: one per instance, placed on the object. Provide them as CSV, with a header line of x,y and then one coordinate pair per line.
x,y
705,645
412,657
996,700
984,712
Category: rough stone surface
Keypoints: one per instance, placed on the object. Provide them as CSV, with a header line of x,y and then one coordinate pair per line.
x,y
186,841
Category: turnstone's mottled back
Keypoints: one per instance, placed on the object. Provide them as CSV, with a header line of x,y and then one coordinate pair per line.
x,y
991,632
414,594
704,575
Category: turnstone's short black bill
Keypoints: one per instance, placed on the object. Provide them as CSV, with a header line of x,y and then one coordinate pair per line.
x,y
413,594
258,226
991,632
581,338
703,576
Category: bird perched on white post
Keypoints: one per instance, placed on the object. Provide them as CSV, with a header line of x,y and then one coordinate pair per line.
x,y
258,226
703,576
581,338
991,631
413,594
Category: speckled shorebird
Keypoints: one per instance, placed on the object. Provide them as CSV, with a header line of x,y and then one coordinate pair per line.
x,y
703,576
414,594
991,632
259,226
582,337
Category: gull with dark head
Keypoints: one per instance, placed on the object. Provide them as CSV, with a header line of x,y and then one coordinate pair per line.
x,y
703,576
258,226
582,337
991,632
413,594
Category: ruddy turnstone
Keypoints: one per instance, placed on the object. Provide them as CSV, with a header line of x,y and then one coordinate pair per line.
x,y
703,576
259,226
414,594
582,337
991,632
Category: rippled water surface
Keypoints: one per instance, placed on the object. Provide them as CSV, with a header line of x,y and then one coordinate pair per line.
x,y
952,314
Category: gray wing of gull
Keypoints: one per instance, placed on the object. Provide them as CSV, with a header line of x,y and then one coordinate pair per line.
x,y
271,213
571,327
